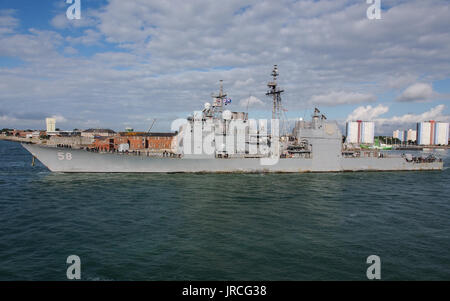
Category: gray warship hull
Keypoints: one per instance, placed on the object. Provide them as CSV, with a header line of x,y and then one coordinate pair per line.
x,y
76,160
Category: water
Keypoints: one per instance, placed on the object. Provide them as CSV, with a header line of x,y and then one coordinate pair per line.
x,y
221,227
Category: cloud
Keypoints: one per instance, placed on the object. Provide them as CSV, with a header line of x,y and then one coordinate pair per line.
x,y
31,46
399,81
251,101
89,37
70,50
436,113
35,120
373,114
59,118
419,92
385,125
60,21
409,121
367,113
88,18
168,56
341,98
7,21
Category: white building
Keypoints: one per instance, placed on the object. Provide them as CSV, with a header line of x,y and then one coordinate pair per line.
x,y
397,134
432,133
441,133
360,132
411,135
51,124
405,136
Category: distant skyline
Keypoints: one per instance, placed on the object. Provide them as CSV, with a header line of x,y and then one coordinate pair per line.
x,y
125,63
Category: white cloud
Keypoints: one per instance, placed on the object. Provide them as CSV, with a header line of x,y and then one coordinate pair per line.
x,y
60,21
169,55
33,45
251,101
373,114
59,118
341,98
436,113
400,81
70,50
385,125
7,21
419,92
88,18
368,113
89,37
35,120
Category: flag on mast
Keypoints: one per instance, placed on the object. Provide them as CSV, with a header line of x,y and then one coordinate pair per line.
x,y
227,101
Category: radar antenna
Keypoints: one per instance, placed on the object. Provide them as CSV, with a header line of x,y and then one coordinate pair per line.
x,y
275,92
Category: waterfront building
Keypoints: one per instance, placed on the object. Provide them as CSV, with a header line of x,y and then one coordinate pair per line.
x,y
432,133
360,132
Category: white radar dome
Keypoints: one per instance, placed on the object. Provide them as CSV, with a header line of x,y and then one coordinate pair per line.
x,y
207,105
226,115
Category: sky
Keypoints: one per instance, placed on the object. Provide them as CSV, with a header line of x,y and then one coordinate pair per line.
x,y
125,63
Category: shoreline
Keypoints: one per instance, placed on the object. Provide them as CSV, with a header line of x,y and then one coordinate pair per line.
x,y
409,147
20,139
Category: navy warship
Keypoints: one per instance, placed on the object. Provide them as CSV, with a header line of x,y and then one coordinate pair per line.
x,y
218,140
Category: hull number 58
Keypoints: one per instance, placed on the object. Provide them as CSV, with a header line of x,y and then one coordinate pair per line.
x,y
64,156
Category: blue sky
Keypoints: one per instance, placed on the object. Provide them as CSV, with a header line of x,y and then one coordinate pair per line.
x,y
127,62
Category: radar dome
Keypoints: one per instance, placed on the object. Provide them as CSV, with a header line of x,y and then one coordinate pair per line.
x,y
207,105
226,115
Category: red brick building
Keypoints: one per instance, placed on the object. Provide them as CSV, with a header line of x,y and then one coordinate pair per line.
x,y
105,144
137,141
21,133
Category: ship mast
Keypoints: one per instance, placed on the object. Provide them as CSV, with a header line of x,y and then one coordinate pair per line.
x,y
275,92
219,98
